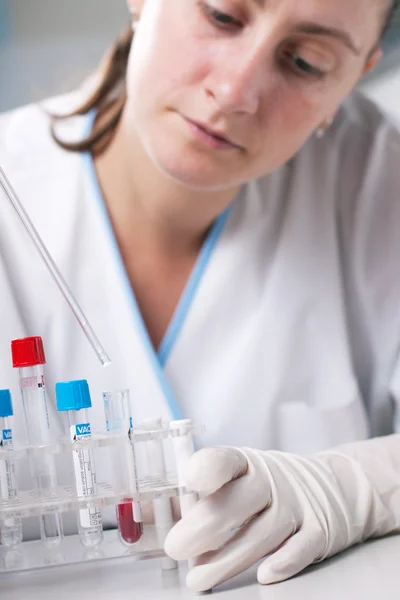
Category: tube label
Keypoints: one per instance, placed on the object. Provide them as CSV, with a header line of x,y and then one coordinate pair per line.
x,y
85,475
6,439
8,484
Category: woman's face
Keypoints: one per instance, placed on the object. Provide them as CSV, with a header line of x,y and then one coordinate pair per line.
x,y
223,91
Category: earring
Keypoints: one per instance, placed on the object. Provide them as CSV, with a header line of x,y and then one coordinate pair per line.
x,y
134,19
320,132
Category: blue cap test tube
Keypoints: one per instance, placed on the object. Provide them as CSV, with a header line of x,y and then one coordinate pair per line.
x,y
11,528
73,398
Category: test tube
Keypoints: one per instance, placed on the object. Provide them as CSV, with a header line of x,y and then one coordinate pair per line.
x,y
11,528
28,356
163,516
118,419
73,398
183,449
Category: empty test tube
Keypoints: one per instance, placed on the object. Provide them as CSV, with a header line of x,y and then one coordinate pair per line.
x,y
163,516
28,355
118,419
73,398
183,445
11,528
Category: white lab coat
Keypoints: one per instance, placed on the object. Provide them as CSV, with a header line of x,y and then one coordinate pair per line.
x,y
287,335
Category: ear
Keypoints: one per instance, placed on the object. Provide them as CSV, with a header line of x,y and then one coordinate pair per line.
x,y
373,60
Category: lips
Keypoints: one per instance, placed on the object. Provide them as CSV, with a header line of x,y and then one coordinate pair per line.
x,y
218,135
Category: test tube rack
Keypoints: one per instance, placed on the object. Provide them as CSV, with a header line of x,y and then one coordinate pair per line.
x,y
157,486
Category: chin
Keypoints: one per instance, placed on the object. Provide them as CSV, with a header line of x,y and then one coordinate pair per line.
x,y
197,180
198,172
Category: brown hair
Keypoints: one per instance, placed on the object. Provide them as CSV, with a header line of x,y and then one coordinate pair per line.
x,y
107,99
109,94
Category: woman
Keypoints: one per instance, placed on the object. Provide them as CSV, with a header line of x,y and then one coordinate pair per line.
x,y
231,230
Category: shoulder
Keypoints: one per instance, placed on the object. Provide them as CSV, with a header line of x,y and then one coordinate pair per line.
x,y
353,172
40,171
23,131
25,134
367,142
364,116
343,190
361,134
361,149
51,182
366,148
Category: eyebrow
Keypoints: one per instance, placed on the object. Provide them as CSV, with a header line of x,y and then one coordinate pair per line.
x,y
317,29
339,34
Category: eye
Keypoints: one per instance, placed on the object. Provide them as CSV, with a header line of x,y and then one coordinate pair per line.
x,y
302,67
219,18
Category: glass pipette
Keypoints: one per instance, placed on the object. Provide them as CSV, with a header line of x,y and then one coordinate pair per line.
x,y
53,269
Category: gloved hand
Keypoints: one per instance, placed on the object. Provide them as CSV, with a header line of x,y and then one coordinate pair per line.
x,y
293,510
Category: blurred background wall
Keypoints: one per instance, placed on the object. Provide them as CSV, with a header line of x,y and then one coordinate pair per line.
x,y
49,46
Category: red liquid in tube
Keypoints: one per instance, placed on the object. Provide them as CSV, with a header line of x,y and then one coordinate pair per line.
x,y
130,530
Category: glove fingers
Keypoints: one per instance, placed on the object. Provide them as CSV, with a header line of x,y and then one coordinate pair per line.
x,y
208,524
211,468
297,553
251,543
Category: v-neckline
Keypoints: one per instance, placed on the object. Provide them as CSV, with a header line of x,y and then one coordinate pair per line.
x,y
158,358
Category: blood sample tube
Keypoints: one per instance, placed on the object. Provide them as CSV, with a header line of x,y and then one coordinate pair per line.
x,y
118,420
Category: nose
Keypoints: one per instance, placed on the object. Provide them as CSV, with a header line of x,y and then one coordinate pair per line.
x,y
238,80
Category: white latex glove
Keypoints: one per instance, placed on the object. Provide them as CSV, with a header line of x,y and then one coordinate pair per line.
x,y
293,510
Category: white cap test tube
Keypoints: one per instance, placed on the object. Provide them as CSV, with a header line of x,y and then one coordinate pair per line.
x,y
73,398
11,528
163,515
183,445
28,355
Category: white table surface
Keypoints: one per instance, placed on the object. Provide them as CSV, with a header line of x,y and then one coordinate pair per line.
x,y
367,572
